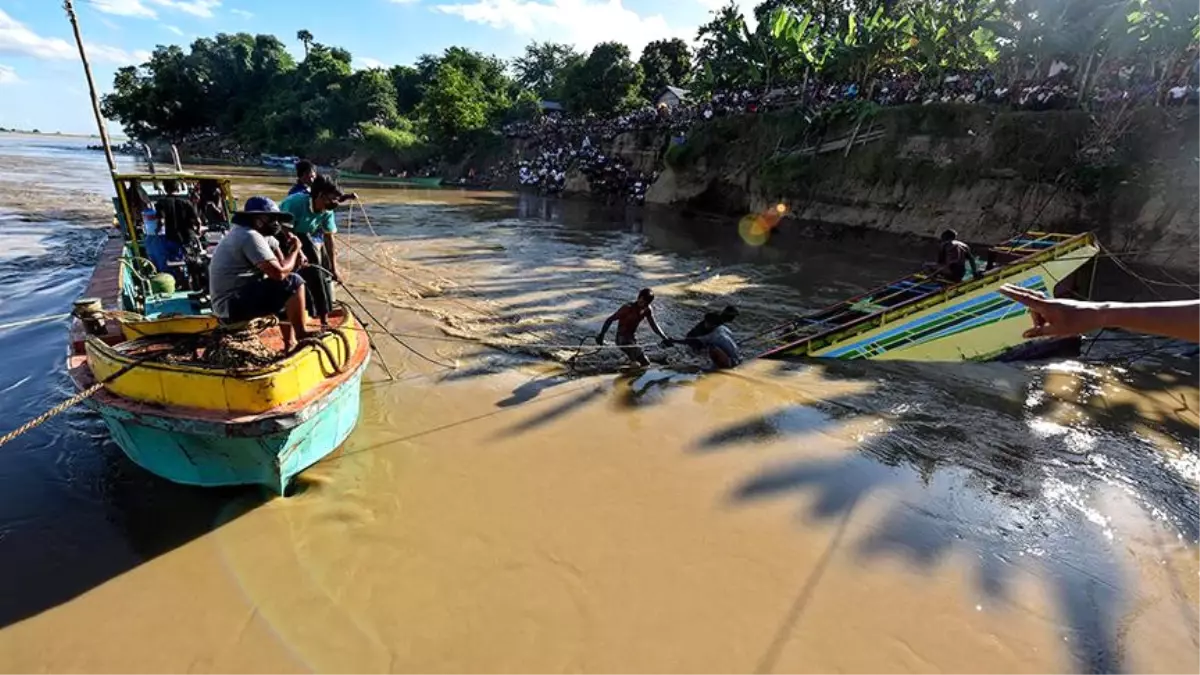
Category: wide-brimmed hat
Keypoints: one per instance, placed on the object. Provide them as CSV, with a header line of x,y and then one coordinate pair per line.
x,y
263,206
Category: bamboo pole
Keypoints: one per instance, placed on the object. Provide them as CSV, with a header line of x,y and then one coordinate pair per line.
x,y
69,6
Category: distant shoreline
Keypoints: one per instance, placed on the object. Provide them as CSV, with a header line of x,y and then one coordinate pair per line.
x,y
51,134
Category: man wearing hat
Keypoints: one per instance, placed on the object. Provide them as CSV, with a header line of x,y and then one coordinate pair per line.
x,y
250,276
313,222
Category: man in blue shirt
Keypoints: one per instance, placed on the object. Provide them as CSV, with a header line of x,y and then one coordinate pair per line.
x,y
314,224
305,175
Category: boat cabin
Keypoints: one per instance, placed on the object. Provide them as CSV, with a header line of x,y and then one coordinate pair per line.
x,y
158,277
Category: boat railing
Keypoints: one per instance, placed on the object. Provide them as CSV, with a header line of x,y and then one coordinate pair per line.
x,y
1057,250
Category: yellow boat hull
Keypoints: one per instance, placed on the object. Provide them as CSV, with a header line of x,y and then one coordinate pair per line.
x,y
224,392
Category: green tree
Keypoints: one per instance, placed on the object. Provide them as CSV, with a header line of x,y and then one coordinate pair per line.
x,y
606,82
373,98
454,104
408,85
730,54
544,66
305,38
665,63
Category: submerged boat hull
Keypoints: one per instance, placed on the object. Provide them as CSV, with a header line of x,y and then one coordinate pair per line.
x,y
969,321
268,450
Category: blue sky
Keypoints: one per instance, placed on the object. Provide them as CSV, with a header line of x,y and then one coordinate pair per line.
x,y
42,84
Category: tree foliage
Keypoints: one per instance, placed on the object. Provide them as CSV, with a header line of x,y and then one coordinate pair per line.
x,y
665,63
606,82
248,88
544,66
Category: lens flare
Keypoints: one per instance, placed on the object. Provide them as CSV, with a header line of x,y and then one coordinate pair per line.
x,y
781,209
754,229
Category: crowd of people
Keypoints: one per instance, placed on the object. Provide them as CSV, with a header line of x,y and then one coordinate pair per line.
x,y
559,143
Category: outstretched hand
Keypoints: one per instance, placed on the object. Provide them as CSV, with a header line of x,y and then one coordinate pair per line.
x,y
1055,317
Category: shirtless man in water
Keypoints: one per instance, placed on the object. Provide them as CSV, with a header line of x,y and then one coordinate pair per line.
x,y
628,318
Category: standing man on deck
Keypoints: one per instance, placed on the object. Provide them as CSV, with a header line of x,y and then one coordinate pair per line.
x,y
628,318
954,257
305,175
314,225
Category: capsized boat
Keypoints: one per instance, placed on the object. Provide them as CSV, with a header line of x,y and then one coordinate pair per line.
x,y
922,318
196,423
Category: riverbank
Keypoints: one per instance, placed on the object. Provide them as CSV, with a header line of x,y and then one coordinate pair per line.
x,y
1128,174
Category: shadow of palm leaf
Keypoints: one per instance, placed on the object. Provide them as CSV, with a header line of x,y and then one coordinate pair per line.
x,y
985,472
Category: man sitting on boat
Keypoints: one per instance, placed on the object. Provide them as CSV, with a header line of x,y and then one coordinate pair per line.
x,y
954,257
251,276
713,338
628,318
179,227
313,222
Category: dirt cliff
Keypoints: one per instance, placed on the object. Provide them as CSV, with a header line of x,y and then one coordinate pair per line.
x,y
1131,176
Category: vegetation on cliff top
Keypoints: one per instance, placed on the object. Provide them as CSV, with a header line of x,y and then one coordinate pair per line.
x,y
248,89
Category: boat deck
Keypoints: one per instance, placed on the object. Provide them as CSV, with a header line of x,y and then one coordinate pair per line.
x,y
105,283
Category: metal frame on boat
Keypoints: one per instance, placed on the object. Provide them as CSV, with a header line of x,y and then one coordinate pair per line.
x,y
923,318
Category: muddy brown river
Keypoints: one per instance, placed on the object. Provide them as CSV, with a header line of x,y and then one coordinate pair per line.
x,y
511,503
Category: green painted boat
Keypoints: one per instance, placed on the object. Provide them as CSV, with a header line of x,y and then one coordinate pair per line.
x,y
922,318
416,181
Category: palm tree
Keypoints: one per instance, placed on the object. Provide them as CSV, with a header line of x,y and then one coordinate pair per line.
x,y
305,37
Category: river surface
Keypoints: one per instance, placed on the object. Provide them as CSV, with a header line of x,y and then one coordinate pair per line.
x,y
500,509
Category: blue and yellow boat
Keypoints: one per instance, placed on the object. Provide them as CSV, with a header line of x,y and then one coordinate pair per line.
x,y
200,424
922,318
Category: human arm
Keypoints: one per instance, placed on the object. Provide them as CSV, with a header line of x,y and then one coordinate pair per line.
x,y
271,265
654,325
1054,317
608,323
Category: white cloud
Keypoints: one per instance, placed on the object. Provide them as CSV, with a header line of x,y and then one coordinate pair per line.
x,y
746,7
144,9
17,39
366,62
123,8
242,13
173,29
583,23
112,25
404,2
8,75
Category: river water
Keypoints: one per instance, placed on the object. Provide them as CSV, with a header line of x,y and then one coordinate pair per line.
x,y
495,511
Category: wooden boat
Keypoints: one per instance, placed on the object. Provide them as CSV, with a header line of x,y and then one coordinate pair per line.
x,y
213,426
414,181
202,425
926,319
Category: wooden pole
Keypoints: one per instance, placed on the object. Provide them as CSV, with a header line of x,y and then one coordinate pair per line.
x,y
87,70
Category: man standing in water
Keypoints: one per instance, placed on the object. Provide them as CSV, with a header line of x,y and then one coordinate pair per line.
x,y
711,337
628,318
953,259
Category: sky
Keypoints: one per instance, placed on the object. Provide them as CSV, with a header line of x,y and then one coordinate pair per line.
x,y
42,84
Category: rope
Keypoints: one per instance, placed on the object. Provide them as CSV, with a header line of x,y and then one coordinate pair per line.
x,y
394,337
36,319
70,402
366,218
